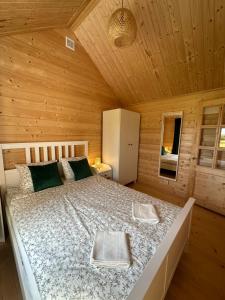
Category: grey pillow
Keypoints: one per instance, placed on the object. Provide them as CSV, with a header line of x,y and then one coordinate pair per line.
x,y
67,170
26,183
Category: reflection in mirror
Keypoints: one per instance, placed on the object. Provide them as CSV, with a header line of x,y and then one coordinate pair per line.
x,y
222,138
170,145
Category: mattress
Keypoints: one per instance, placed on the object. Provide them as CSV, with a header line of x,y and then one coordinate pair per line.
x,y
169,162
56,229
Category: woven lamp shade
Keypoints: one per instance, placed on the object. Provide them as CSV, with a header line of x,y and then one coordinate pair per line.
x,y
122,28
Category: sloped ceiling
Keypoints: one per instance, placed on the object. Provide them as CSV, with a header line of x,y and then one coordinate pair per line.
x,y
179,48
17,16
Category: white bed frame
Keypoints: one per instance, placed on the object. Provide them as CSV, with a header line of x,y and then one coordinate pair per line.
x,y
154,281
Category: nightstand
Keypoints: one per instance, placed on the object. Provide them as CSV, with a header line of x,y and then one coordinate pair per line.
x,y
105,171
2,232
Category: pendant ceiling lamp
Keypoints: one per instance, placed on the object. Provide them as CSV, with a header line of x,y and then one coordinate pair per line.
x,y
122,28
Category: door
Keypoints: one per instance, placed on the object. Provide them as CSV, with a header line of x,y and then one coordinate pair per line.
x,y
129,145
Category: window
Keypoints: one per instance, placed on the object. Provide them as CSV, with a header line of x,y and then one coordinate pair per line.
x,y
211,153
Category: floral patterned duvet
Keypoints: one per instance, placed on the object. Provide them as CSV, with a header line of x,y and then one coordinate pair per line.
x,y
57,228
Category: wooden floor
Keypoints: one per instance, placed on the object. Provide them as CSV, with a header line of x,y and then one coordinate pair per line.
x,y
200,274
9,283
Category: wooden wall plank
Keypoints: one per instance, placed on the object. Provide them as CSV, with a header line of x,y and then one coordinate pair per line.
x,y
48,92
149,149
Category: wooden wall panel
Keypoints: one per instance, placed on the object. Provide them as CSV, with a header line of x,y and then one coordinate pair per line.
x,y
151,116
179,49
210,186
48,92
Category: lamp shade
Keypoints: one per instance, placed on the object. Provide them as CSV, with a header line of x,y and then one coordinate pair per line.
x,y
98,162
122,28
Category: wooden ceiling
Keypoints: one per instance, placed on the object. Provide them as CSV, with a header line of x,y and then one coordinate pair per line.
x,y
179,48
32,15
180,45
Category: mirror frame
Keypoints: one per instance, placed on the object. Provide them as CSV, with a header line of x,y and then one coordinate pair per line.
x,y
170,114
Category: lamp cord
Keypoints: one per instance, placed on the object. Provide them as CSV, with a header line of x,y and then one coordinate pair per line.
x,y
122,16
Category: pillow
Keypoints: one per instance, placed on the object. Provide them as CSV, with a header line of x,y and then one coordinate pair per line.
x,y
67,170
163,152
81,168
45,176
26,184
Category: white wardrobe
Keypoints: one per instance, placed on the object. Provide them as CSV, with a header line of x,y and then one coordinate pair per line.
x,y
120,143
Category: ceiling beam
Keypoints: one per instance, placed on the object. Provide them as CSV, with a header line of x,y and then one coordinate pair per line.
x,y
83,12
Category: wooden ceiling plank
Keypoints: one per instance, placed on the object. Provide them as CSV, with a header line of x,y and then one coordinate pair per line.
x,y
151,58
153,67
96,32
209,23
78,17
180,45
175,18
28,30
137,71
164,42
198,40
185,13
38,5
107,65
24,16
219,50
178,50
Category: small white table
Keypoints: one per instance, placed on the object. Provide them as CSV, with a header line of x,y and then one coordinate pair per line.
x,y
105,171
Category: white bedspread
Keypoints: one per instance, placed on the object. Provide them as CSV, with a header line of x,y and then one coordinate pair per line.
x,y
57,227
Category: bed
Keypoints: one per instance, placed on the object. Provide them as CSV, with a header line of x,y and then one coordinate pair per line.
x,y
169,162
52,232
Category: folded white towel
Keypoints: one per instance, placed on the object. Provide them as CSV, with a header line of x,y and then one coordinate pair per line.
x,y
145,213
110,250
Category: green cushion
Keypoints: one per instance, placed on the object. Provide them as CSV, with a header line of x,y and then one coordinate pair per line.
x,y
45,176
81,168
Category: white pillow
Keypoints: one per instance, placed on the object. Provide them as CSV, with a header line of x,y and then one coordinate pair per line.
x,y
67,170
26,183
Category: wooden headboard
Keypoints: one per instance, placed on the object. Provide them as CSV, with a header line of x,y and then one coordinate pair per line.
x,y
43,151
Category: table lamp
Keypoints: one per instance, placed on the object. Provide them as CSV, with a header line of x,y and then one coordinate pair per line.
x,y
98,162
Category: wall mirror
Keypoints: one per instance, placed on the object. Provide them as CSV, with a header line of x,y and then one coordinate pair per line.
x,y
170,144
